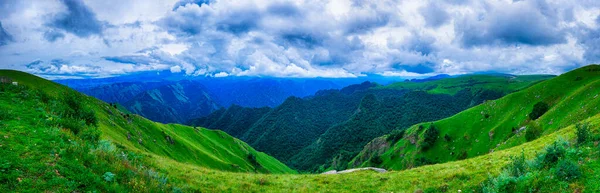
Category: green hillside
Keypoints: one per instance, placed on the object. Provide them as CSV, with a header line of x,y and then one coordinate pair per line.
x,y
330,128
469,175
57,139
499,83
41,151
173,103
493,125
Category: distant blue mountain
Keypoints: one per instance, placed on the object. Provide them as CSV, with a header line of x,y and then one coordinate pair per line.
x,y
139,92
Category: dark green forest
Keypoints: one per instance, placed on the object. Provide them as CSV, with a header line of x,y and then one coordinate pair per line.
x,y
328,129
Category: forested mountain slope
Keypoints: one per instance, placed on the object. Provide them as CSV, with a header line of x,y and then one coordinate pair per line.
x,y
41,151
328,129
494,125
174,103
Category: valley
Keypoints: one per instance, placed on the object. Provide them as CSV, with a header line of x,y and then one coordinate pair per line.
x,y
113,149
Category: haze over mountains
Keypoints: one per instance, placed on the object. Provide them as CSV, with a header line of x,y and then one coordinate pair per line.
x,y
159,98
314,124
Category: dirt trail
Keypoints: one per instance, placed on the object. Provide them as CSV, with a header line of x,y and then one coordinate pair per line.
x,y
380,170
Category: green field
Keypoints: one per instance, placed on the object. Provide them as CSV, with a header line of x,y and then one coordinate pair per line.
x,y
46,147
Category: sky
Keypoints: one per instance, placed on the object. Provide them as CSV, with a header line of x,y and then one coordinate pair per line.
x,y
299,38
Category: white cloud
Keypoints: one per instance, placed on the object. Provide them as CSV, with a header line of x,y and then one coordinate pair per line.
x,y
337,38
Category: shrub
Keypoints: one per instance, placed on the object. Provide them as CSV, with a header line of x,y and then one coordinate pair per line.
x,y
583,132
252,159
74,109
395,136
554,153
108,176
90,134
376,160
532,133
74,126
517,167
538,110
567,170
447,138
429,137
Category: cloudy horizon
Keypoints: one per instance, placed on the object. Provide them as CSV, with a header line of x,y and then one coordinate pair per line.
x,y
301,38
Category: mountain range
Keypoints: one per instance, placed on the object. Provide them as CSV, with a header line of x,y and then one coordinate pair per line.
x,y
528,133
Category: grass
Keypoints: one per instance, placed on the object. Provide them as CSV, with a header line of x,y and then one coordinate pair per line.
x,y
467,175
49,142
504,84
36,155
503,123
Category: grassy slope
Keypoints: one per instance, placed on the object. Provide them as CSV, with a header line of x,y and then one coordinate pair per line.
x,y
506,84
451,176
570,101
465,175
202,147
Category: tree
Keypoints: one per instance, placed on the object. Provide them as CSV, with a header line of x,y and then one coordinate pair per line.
x,y
429,137
538,110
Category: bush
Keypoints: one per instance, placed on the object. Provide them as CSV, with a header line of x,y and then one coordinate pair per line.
x,y
395,136
74,109
583,132
517,167
108,176
554,153
567,170
533,133
538,110
74,126
252,159
447,138
429,137
376,160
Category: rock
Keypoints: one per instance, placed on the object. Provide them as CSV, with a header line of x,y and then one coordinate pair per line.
x,y
380,170
330,172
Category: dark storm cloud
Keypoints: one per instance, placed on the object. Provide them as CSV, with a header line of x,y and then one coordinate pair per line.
x,y
78,20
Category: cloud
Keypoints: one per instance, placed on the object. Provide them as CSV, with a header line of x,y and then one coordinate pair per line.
x,y
53,35
175,69
60,67
332,38
590,39
522,22
5,38
434,15
417,69
130,59
78,20
185,2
